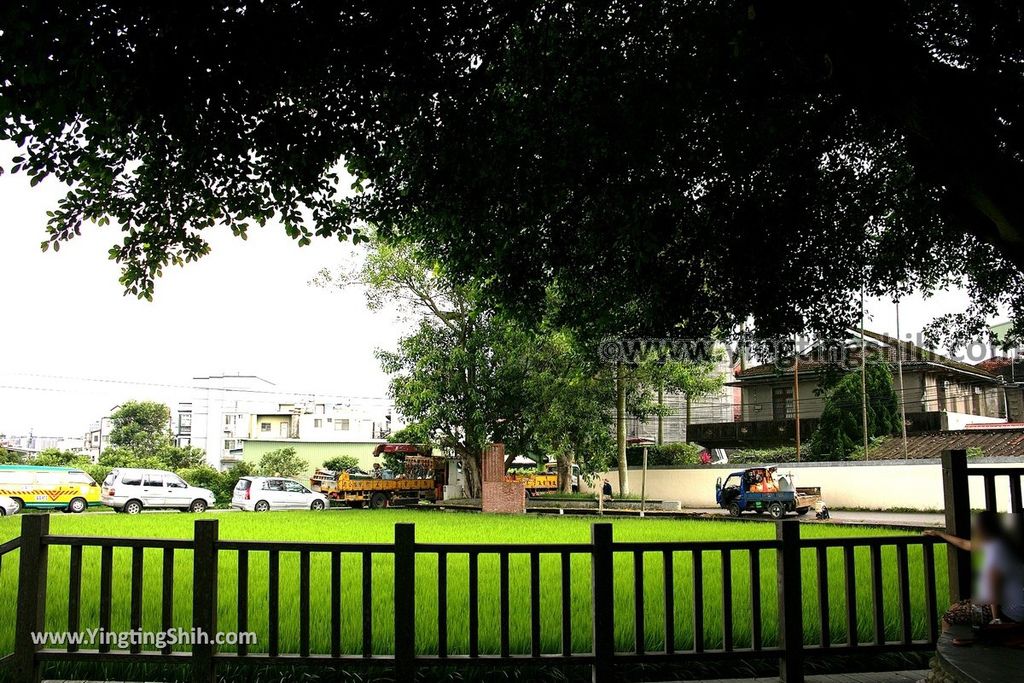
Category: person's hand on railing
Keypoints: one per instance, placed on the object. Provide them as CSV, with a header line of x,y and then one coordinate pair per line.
x,y
961,543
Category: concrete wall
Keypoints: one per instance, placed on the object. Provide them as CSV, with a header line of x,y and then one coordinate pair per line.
x,y
877,486
313,452
956,421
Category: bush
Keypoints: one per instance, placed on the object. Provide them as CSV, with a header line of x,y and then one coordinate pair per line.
x,y
763,456
221,483
341,463
665,455
53,457
10,457
282,462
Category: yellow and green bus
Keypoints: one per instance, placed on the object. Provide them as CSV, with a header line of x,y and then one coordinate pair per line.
x,y
60,488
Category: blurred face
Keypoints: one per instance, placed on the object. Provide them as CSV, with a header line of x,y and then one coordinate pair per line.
x,y
982,529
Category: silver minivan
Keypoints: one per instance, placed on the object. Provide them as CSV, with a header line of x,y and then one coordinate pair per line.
x,y
259,494
131,490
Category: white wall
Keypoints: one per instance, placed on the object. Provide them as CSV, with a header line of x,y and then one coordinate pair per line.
x,y
876,486
959,420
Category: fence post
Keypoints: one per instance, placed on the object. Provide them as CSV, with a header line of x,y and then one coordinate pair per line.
x,y
31,613
791,610
602,601
956,495
204,600
405,602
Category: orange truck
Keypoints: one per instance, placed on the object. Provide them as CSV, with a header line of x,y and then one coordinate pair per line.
x,y
422,478
537,482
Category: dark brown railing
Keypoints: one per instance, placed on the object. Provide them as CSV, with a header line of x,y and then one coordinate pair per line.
x,y
602,554
956,476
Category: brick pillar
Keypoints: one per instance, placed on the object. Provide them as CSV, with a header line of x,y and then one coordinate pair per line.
x,y
498,495
494,463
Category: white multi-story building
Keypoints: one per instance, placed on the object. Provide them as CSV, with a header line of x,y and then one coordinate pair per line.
x,y
227,410
33,444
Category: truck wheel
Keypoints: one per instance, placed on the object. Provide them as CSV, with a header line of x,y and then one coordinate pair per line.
x,y
734,509
776,510
77,505
802,511
378,501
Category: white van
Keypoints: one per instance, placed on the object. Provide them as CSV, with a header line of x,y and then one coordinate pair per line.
x,y
131,490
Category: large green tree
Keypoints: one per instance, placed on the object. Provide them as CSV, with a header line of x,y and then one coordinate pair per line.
x,y
143,428
456,372
566,396
840,431
695,164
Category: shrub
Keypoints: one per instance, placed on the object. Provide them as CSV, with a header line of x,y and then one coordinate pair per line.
x,y
763,456
282,462
10,457
341,463
665,455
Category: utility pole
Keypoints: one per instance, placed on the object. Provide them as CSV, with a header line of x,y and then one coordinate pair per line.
x,y
899,366
863,375
661,407
796,391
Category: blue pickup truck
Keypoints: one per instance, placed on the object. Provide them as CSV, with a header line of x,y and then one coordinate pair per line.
x,y
760,490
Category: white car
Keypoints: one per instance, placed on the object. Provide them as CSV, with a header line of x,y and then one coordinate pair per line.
x,y
259,494
8,506
131,490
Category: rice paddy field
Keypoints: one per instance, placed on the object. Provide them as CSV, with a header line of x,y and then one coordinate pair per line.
x,y
368,526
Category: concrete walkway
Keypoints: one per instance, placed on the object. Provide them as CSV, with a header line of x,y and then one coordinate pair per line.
x,y
883,677
912,519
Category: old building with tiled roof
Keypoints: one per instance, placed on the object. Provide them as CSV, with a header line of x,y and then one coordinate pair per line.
x,y
937,392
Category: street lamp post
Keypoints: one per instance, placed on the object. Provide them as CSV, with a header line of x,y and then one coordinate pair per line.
x,y
645,443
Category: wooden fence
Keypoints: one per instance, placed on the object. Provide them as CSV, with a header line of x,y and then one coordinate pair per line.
x,y
956,476
785,553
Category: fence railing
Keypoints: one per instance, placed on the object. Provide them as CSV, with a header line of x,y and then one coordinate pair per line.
x,y
956,478
767,576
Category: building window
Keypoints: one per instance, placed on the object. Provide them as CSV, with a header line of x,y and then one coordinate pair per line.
x,y
782,398
318,423
320,409
341,425
265,426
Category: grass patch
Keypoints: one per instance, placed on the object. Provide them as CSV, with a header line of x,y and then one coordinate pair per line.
x,y
378,526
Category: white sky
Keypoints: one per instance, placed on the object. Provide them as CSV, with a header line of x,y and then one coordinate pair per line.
x,y
247,308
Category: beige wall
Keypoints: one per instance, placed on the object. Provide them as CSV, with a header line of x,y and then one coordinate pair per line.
x,y
757,401
848,485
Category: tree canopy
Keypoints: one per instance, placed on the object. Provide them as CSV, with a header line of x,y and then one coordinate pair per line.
x,y
698,164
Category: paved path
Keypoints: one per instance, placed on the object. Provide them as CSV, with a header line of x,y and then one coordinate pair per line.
x,y
915,519
882,677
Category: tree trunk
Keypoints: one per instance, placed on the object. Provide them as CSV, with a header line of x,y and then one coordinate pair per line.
x,y
620,427
565,472
471,465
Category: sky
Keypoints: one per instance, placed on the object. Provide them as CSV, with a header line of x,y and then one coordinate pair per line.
x,y
245,308
72,346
